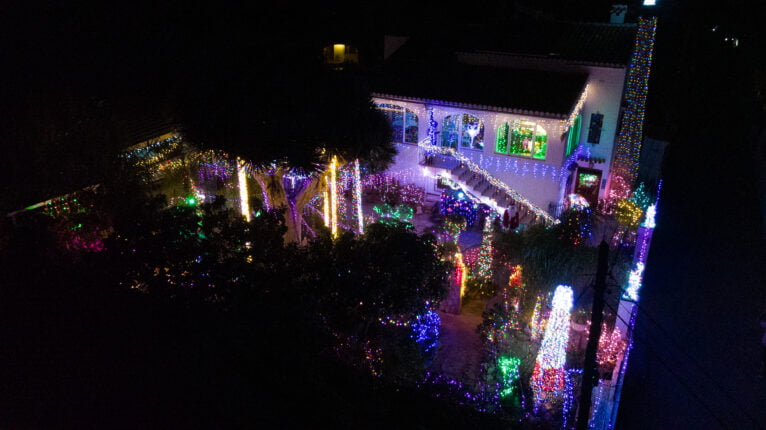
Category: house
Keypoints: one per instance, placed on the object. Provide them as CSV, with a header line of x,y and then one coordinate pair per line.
x,y
521,116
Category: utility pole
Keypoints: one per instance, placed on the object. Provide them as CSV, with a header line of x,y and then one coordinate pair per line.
x,y
590,371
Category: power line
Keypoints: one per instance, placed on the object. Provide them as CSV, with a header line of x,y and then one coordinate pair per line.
x,y
670,370
696,363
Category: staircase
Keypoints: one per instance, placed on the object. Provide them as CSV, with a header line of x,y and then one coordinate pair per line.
x,y
478,185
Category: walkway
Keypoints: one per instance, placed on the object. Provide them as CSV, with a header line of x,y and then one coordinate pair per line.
x,y
459,354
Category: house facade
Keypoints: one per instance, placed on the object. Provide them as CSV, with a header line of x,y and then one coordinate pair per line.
x,y
541,121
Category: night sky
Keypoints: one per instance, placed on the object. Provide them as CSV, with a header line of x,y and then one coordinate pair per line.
x,y
695,361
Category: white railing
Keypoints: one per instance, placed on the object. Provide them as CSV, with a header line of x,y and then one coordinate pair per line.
x,y
539,212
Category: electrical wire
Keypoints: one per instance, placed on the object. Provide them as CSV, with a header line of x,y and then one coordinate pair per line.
x,y
674,374
696,363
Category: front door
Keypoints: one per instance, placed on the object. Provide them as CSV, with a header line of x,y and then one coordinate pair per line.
x,y
588,181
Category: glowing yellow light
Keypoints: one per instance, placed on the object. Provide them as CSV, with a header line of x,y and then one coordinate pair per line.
x,y
326,209
461,270
244,202
333,198
338,51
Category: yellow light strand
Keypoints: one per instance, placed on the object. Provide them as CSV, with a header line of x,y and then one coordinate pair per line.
x,y
463,272
244,202
326,209
333,198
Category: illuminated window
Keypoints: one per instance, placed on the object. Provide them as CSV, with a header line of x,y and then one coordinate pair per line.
x,y
524,138
464,128
573,138
403,121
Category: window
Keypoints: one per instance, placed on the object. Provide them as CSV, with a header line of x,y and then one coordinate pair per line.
x,y
524,138
573,139
594,131
403,121
464,128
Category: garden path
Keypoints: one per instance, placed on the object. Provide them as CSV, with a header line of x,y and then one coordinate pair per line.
x,y
459,354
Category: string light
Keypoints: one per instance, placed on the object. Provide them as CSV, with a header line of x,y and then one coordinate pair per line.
x,y
460,273
425,330
628,146
578,107
568,395
467,162
333,198
628,213
326,209
509,372
634,282
358,196
610,346
432,125
457,202
548,376
453,227
153,152
244,199
651,212
484,259
516,289
390,215
539,320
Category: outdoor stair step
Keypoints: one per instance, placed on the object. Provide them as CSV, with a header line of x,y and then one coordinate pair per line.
x,y
458,170
474,181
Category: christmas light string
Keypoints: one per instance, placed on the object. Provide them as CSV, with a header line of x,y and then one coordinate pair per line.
x,y
548,376
539,213
358,197
629,138
484,259
509,371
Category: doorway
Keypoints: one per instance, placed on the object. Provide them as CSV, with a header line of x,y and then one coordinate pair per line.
x,y
587,184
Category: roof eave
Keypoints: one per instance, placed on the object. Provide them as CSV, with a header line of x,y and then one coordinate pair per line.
x,y
446,103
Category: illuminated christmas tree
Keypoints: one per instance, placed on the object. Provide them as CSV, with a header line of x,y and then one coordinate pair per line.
x,y
548,376
515,290
484,260
610,346
538,320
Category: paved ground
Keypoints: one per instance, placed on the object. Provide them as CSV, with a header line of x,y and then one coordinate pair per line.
x,y
459,353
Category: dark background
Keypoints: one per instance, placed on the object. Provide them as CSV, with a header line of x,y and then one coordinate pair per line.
x,y
695,362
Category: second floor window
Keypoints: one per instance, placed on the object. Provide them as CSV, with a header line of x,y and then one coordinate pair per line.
x,y
525,138
403,121
594,131
464,130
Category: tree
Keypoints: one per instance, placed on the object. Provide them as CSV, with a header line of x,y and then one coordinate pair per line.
x,y
285,114
547,257
388,271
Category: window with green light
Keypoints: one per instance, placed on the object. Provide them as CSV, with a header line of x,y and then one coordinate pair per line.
x,y
525,138
574,135
404,122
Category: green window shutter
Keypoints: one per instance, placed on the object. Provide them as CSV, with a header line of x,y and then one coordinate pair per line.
x,y
574,135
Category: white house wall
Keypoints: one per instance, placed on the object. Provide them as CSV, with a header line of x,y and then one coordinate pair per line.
x,y
537,180
604,97
605,88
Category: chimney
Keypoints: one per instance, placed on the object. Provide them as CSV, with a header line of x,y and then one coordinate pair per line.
x,y
618,13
